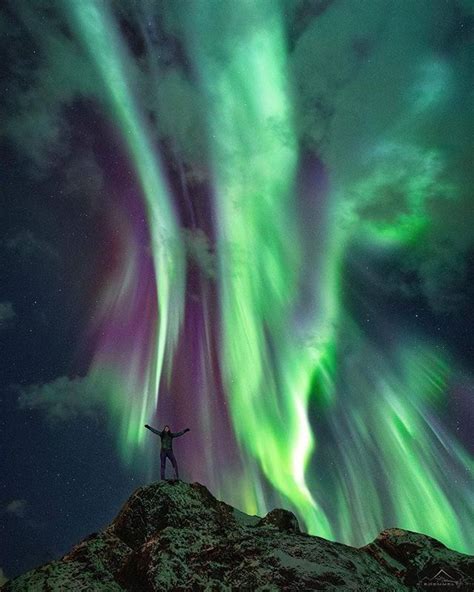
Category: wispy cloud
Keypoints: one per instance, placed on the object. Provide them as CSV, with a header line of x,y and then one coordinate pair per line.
x,y
27,245
64,398
7,313
17,507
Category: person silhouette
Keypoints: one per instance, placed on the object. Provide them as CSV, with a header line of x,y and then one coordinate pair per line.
x,y
167,436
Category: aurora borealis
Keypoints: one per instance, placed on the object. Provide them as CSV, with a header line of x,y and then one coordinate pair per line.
x,y
267,213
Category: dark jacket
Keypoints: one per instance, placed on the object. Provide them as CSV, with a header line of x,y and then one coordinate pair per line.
x,y
167,437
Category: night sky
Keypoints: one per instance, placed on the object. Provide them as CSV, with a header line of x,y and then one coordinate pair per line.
x,y
252,219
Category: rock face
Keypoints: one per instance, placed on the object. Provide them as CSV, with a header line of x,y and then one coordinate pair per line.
x,y
177,536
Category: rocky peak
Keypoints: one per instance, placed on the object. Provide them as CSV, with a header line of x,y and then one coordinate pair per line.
x,y
178,536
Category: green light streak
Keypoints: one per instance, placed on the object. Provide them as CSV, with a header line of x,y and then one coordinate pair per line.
x,y
97,32
389,448
268,367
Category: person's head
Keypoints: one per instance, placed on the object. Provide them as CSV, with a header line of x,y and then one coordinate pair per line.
x,y
166,428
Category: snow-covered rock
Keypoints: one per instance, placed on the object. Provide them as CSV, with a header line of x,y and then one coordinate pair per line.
x,y
177,536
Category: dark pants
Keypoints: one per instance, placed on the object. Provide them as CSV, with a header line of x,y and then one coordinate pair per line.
x,y
170,455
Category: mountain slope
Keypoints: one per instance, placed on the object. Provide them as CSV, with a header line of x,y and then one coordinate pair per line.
x,y
177,536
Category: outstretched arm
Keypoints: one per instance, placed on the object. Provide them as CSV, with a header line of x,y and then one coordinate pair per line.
x,y
153,429
176,434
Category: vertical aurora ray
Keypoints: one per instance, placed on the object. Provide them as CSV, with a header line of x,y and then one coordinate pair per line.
x,y
134,381
267,367
392,463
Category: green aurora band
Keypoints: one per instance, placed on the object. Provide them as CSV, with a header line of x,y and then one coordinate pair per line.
x,y
99,36
279,368
254,153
